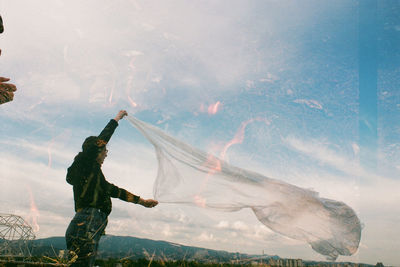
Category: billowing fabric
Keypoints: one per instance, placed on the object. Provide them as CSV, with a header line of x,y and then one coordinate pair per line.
x,y
187,175
83,236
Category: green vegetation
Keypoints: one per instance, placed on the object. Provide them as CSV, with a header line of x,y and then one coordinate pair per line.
x,y
150,263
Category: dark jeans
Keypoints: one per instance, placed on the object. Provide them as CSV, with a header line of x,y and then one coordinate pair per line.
x,y
83,236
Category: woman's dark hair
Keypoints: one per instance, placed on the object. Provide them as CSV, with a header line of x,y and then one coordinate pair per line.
x,y
91,148
85,161
93,145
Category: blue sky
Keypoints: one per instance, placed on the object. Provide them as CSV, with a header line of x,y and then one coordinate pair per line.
x,y
293,64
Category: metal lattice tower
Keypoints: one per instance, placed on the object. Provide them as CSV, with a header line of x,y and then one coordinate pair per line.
x,y
15,233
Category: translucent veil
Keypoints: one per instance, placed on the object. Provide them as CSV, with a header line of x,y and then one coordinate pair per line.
x,y
187,175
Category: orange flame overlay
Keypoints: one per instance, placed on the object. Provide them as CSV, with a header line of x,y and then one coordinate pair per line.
x,y
215,164
129,84
213,108
239,136
200,201
49,155
34,214
111,95
133,103
131,65
62,138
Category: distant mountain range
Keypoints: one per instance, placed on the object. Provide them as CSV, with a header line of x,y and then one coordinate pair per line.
x,y
119,247
136,248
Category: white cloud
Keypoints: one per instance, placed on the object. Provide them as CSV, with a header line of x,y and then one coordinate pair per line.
x,y
223,224
167,231
319,152
204,236
312,103
239,225
356,148
53,150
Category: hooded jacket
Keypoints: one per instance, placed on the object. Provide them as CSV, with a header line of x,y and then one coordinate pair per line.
x,y
90,187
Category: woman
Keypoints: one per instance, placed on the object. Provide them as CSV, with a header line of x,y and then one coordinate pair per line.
x,y
92,196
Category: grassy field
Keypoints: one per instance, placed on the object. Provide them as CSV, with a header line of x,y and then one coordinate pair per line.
x,y
119,263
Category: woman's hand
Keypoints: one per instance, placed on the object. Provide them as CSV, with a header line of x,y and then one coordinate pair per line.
x,y
148,203
120,115
6,90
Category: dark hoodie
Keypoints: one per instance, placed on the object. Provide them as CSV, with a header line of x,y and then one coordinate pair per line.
x,y
89,184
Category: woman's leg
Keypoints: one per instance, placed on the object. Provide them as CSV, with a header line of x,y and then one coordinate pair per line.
x,y
83,235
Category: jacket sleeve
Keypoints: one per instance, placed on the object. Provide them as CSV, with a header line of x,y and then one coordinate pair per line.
x,y
121,193
108,130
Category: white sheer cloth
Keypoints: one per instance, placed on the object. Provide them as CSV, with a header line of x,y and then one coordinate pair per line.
x,y
187,175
